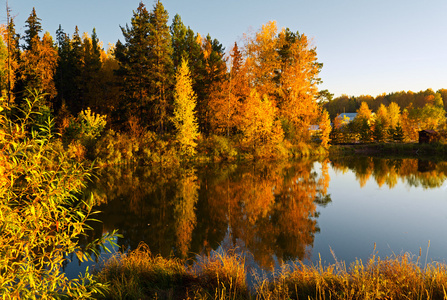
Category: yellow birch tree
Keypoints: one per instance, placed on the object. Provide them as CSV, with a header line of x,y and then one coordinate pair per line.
x,y
184,120
325,127
261,132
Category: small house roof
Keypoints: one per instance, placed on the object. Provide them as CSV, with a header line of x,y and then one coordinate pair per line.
x,y
429,131
350,116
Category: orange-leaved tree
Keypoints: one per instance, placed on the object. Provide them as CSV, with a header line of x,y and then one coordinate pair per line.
x,y
261,59
381,125
39,66
284,66
362,122
297,82
227,98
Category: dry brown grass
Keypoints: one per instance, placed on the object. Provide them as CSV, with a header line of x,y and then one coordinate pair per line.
x,y
140,275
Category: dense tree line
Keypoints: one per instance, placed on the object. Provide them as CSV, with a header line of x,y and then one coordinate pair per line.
x,y
72,73
263,93
393,117
350,104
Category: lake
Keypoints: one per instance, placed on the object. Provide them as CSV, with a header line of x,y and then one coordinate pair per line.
x,y
339,208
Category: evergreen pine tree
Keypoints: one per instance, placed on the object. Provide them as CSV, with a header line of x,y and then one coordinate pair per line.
x,y
74,97
134,67
160,59
398,135
62,77
90,70
179,47
68,73
31,37
34,27
213,72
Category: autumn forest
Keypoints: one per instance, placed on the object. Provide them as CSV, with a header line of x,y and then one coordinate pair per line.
x,y
169,84
165,83
202,124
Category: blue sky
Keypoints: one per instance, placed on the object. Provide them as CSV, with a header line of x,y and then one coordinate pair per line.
x,y
366,46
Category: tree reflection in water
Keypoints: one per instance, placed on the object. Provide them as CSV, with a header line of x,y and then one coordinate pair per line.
x,y
414,172
266,209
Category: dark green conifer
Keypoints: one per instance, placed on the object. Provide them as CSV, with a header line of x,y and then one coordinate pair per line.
x,y
134,66
90,70
74,96
185,45
213,71
179,46
162,74
34,27
62,78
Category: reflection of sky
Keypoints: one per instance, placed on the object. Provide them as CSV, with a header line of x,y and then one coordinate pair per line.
x,y
74,268
398,220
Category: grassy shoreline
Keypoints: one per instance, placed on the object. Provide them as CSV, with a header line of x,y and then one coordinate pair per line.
x,y
402,150
140,275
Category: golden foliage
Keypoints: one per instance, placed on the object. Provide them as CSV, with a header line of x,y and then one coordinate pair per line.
x,y
227,99
42,220
258,120
364,112
39,66
325,127
186,198
262,59
393,115
388,171
184,120
284,67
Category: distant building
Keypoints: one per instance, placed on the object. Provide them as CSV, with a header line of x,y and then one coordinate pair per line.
x,y
315,133
314,128
428,136
347,117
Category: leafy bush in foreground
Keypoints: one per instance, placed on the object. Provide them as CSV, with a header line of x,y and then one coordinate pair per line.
x,y
41,217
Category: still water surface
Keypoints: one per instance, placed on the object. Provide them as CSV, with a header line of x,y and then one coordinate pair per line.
x,y
278,212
